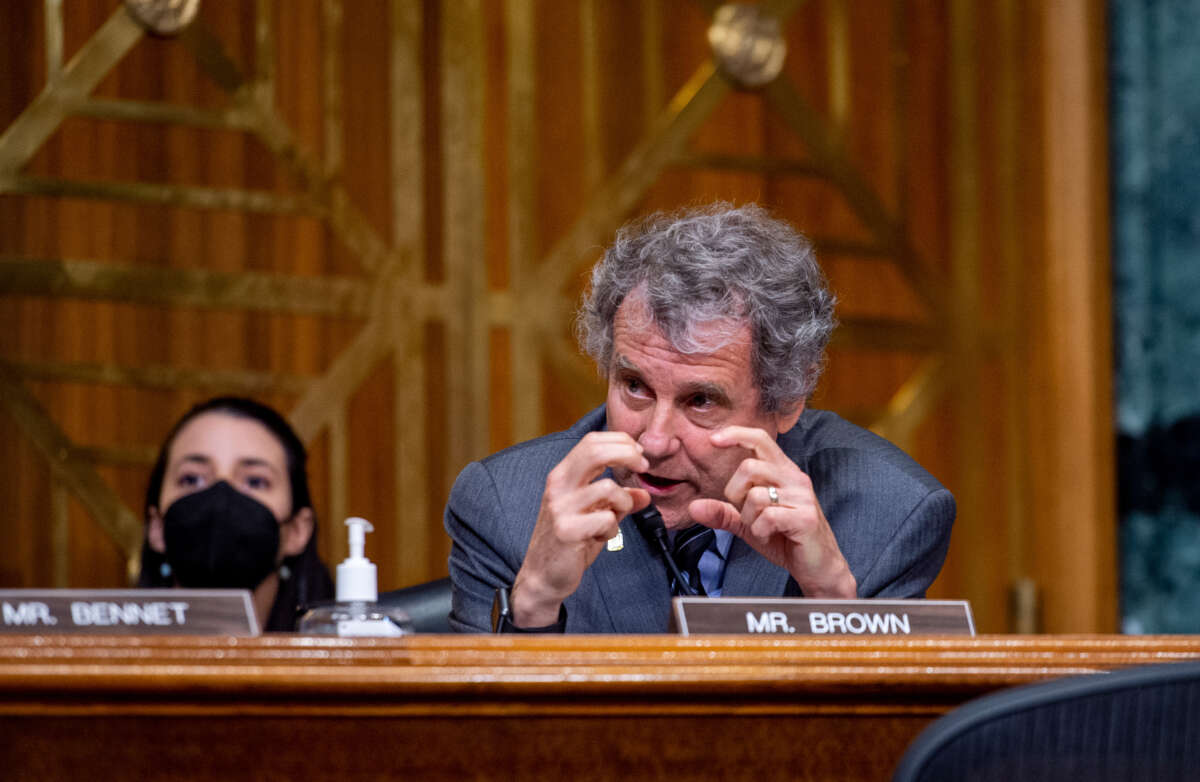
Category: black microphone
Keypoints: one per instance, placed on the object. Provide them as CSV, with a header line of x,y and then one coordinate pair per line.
x,y
649,522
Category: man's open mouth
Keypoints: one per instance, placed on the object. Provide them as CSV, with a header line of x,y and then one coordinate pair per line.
x,y
657,481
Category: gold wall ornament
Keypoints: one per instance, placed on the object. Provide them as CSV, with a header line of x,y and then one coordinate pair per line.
x,y
747,44
163,17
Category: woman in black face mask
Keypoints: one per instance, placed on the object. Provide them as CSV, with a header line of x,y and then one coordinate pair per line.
x,y
228,506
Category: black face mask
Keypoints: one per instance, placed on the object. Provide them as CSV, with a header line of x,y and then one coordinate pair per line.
x,y
219,538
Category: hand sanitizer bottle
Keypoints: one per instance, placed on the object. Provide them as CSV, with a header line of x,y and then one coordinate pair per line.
x,y
355,613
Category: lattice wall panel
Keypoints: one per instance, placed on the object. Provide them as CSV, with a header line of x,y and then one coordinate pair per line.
x,y
378,215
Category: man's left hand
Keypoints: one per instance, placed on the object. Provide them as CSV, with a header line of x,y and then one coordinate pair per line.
x,y
772,506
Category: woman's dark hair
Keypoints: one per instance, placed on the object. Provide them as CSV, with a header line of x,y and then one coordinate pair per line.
x,y
308,580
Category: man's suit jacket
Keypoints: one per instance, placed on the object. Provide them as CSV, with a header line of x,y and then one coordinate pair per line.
x,y
891,518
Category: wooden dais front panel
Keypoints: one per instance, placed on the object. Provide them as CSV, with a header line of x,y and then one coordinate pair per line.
x,y
482,707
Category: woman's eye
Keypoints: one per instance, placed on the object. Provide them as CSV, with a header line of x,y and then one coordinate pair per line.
x,y
189,480
258,482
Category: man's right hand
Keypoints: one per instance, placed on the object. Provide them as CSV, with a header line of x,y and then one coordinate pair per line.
x,y
577,517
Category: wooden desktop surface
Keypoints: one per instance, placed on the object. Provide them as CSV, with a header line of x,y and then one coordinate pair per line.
x,y
506,707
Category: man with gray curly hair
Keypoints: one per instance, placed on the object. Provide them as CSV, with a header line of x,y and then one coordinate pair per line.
x,y
703,473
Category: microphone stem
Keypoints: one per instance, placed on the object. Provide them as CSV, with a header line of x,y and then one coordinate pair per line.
x,y
649,520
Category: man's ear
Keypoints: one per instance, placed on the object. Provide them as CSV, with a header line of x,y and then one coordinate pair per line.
x,y
295,533
785,419
154,530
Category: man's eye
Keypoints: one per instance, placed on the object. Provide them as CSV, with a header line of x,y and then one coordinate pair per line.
x,y
633,385
701,401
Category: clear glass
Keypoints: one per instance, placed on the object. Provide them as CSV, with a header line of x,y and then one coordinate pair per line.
x,y
355,619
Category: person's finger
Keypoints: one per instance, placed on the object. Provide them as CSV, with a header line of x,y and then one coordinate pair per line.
x,y
599,495
593,455
715,514
752,439
750,473
640,499
596,525
759,496
796,524
768,521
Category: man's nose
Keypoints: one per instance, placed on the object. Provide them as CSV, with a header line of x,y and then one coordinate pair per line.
x,y
659,439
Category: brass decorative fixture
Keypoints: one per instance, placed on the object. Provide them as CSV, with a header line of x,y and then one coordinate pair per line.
x,y
747,44
163,17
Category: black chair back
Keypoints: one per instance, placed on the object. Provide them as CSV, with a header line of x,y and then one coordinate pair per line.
x,y
1132,724
428,605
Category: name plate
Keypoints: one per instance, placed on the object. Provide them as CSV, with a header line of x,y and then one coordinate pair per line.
x,y
128,612
803,616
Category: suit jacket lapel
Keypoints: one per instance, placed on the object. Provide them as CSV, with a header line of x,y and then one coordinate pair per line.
x,y
749,575
633,584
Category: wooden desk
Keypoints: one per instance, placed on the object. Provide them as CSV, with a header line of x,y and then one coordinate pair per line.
x,y
486,707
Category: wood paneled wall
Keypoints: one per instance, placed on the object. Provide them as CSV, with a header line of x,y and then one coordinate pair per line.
x,y
377,216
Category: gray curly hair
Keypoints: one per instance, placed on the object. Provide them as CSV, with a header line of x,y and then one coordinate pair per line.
x,y
700,266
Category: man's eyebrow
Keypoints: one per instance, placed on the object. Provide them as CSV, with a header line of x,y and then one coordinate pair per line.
x,y
623,363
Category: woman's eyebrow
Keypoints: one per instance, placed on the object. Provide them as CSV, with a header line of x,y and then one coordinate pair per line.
x,y
256,461
194,458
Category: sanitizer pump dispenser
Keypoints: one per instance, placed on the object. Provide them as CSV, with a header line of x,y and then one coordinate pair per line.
x,y
356,612
356,575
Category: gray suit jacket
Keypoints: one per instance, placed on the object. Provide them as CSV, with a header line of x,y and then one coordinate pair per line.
x,y
891,518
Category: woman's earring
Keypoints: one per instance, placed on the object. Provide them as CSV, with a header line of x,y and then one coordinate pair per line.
x,y
285,572
164,570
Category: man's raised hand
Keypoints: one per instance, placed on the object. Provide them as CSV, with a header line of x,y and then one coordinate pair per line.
x,y
578,515
770,504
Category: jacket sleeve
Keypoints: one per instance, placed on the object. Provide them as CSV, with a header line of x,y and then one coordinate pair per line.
x,y
474,519
914,554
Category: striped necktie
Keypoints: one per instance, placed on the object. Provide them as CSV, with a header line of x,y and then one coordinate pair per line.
x,y
690,545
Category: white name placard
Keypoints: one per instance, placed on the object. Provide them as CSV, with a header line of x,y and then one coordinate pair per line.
x,y
128,611
808,617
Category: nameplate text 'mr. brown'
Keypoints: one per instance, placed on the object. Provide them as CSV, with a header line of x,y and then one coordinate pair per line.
x,y
805,617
